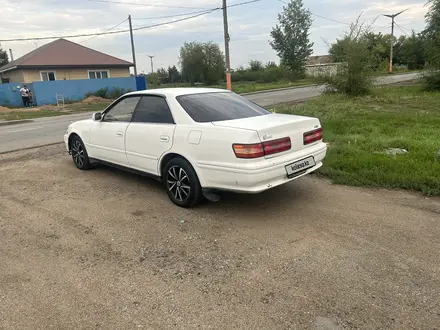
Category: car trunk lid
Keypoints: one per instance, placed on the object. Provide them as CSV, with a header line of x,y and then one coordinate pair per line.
x,y
276,126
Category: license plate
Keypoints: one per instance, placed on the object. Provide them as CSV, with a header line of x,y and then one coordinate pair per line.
x,y
300,166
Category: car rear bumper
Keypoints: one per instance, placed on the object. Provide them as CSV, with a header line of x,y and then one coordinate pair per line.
x,y
255,177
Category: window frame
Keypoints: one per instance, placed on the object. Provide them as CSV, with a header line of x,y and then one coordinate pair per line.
x,y
47,72
151,123
100,71
115,103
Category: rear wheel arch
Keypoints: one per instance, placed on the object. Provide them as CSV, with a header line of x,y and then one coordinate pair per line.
x,y
165,159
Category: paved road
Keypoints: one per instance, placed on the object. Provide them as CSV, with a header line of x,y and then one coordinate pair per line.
x,y
104,249
50,130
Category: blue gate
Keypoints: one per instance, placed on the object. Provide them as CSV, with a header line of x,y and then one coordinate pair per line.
x,y
141,83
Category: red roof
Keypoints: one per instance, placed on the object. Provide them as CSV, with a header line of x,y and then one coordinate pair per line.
x,y
64,53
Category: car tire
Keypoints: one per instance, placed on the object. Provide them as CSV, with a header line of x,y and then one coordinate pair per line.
x,y
181,183
79,153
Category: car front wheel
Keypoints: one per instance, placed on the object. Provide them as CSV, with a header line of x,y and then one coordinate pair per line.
x,y
79,153
181,183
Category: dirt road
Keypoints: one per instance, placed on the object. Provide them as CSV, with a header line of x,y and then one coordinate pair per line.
x,y
106,250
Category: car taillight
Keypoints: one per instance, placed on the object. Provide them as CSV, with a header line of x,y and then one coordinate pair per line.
x,y
313,136
275,146
248,150
261,149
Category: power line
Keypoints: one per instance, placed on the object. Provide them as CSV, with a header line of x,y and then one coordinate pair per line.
x,y
195,12
144,5
330,19
127,30
110,32
400,28
169,16
125,20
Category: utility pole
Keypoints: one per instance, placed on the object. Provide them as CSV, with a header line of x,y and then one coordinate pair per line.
x,y
151,59
226,33
132,46
392,38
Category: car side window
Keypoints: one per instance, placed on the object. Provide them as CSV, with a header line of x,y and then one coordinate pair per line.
x,y
153,109
123,110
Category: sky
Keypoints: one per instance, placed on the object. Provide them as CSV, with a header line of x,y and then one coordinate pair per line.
x,y
249,25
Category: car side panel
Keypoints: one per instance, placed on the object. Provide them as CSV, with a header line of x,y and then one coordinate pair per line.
x,y
209,150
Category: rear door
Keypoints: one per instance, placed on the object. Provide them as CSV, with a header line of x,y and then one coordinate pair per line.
x,y
107,137
150,133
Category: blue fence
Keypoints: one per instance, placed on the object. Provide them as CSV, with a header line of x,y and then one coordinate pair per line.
x,y
73,90
10,94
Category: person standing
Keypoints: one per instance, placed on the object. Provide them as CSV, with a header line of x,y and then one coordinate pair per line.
x,y
24,91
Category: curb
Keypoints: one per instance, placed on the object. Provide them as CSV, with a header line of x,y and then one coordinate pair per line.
x,y
15,122
29,148
279,89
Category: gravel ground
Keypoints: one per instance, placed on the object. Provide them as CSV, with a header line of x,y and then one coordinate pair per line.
x,y
105,249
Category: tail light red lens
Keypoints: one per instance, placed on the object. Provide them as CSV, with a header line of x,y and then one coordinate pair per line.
x,y
261,149
313,136
276,146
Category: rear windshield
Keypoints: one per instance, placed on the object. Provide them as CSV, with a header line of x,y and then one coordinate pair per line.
x,y
207,107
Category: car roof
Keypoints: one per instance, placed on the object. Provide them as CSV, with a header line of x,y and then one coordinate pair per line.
x,y
179,91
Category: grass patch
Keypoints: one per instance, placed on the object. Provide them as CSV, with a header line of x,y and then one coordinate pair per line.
x,y
51,112
247,87
360,129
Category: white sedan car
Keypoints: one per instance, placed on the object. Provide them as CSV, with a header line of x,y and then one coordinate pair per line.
x,y
198,141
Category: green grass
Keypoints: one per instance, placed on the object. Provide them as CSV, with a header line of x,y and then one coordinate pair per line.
x,y
247,86
359,130
67,110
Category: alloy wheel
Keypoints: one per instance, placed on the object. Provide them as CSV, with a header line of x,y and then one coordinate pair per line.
x,y
78,153
178,183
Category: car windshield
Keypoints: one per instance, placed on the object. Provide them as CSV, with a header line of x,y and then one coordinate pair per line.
x,y
207,107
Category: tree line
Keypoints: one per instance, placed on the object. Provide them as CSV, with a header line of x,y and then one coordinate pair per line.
x,y
204,62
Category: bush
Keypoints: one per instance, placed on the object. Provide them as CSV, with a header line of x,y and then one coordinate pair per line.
x,y
109,94
269,74
355,76
101,92
115,93
432,80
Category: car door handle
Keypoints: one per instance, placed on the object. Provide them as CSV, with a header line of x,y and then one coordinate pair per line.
x,y
119,134
164,138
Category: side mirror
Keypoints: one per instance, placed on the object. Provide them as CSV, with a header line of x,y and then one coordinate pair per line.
x,y
97,116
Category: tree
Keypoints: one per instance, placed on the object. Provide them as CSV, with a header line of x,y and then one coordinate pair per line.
x,y
432,46
202,62
412,51
3,57
378,47
191,61
337,50
271,64
377,44
174,74
214,63
162,75
255,65
291,37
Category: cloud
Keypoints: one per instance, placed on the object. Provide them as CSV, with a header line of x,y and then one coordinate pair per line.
x,y
249,25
